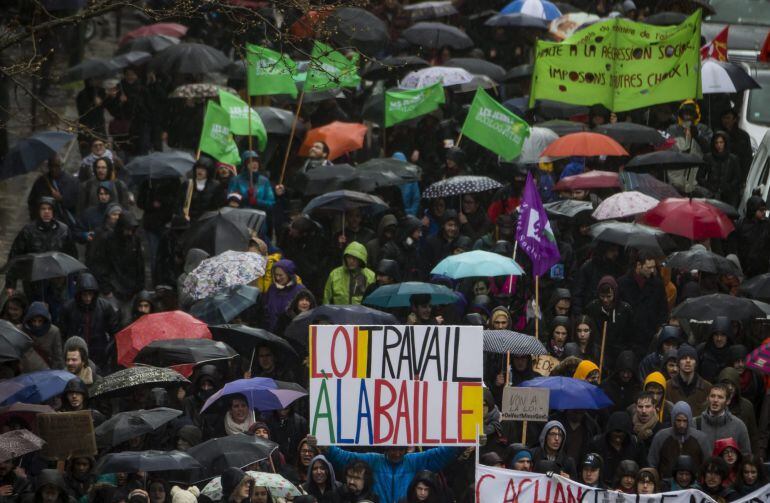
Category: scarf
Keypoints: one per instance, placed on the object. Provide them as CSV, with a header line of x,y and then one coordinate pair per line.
x,y
644,430
233,428
492,423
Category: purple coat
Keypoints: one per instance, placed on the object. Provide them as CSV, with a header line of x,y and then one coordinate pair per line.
x,y
276,300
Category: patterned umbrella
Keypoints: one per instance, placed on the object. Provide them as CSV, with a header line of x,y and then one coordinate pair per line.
x,y
430,10
448,76
123,382
624,204
16,443
505,341
224,270
278,486
459,185
200,90
759,359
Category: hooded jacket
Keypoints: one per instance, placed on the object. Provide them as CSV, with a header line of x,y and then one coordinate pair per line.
x,y
631,449
711,360
619,319
623,394
667,445
88,195
565,463
406,251
46,339
292,310
247,183
374,247
721,172
654,360
740,407
50,477
231,478
333,493
119,261
344,286
277,298
753,238
88,375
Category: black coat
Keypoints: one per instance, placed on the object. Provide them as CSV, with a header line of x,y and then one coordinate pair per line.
x,y
38,237
119,264
619,325
202,201
722,175
68,187
632,448
435,249
650,308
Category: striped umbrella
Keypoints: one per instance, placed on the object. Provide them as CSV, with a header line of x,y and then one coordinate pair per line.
x,y
724,77
537,8
759,359
504,341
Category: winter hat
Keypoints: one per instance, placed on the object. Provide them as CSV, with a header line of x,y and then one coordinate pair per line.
x,y
584,369
522,454
249,154
189,495
686,350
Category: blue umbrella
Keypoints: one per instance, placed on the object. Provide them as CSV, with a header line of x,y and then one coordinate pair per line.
x,y
536,8
30,152
570,394
477,263
398,295
226,305
36,387
262,393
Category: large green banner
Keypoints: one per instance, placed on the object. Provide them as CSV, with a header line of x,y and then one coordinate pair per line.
x,y
621,64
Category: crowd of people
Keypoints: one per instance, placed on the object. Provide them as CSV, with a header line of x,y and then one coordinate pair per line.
x,y
687,411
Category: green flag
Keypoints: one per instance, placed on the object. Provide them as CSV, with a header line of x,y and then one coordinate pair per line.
x,y
404,105
238,110
269,72
493,126
329,69
216,138
621,64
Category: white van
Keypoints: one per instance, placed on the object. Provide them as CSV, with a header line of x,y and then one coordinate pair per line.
x,y
759,173
755,108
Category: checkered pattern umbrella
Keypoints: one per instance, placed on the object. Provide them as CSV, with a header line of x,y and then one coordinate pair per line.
x,y
505,341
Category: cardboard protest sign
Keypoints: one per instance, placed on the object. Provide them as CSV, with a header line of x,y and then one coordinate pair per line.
x,y
525,404
395,385
67,434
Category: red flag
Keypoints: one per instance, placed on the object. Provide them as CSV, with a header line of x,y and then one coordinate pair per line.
x,y
764,53
717,48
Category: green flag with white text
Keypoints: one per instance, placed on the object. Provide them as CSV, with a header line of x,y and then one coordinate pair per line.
x,y
329,69
493,126
216,137
238,110
401,106
269,72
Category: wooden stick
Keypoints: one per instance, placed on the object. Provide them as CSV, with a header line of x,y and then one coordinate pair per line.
x,y
459,137
188,198
537,307
291,136
524,432
601,355
248,97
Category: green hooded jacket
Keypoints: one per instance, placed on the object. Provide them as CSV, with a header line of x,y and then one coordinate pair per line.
x,y
342,287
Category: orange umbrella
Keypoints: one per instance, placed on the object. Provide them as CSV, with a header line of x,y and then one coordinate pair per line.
x,y
584,145
340,137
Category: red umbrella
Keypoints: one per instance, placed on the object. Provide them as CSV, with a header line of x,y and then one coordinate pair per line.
x,y
589,180
340,137
169,29
155,327
691,218
584,145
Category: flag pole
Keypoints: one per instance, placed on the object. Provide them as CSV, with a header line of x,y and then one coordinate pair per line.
x,y
248,95
291,136
601,355
459,137
537,307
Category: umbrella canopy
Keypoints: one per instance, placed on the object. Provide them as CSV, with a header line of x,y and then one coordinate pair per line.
x,y
392,67
124,381
708,307
477,263
567,393
216,234
16,443
430,10
722,206
218,454
459,185
478,81
222,271
759,359
508,341
30,152
757,287
154,327
262,393
278,486
539,138
47,265
699,258
584,145
665,18
131,58
188,58
248,218
344,200
647,184
172,164
34,387
448,76
200,90
724,77
151,44
663,160
225,305
146,461
90,69
566,25
478,66
629,133
624,204
278,120
298,329
13,342
407,171
399,294
126,425
538,8
633,235
169,29
517,20
568,207
431,35
340,137
595,179
173,352
246,339
359,28
562,127
323,179
692,219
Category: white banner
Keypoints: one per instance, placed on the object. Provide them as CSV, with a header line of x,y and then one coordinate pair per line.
x,y
761,495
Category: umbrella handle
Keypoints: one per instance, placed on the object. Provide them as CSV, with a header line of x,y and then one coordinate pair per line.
x,y
601,355
251,362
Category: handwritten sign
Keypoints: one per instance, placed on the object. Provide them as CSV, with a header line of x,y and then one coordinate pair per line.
x,y
525,404
544,364
67,434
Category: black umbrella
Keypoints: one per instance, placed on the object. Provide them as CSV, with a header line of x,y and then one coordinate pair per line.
x,y
505,341
631,133
566,8
123,382
344,200
479,67
708,307
567,207
665,18
172,164
226,305
519,72
392,67
757,287
297,331
459,185
189,58
169,352
323,179
13,342
698,257
151,44
562,127
374,108
278,120
430,10
126,425
241,450
131,58
42,266
90,69
633,235
437,35
146,461
244,339
30,152
406,170
248,217
216,234
371,180
359,28
517,20
664,160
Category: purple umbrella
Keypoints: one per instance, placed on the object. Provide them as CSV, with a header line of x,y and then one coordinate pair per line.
x,y
262,393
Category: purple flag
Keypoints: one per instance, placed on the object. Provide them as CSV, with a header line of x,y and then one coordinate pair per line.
x,y
533,231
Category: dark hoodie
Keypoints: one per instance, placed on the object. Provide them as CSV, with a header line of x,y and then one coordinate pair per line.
x,y
721,172
89,191
711,360
753,239
53,478
622,393
231,479
406,251
333,491
46,339
631,448
210,419
740,407
564,462
429,479
618,317
374,247
119,260
654,360
292,310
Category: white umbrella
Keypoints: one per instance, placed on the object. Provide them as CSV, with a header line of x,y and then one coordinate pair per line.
x,y
624,204
724,77
538,139
448,76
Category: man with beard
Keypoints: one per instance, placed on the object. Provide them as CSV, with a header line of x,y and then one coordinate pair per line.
x,y
681,438
358,483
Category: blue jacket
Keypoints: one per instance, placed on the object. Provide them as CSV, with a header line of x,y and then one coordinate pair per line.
x,y
265,195
410,194
391,480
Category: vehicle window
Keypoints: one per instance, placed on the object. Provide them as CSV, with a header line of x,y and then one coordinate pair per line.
x,y
758,110
741,12
765,172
